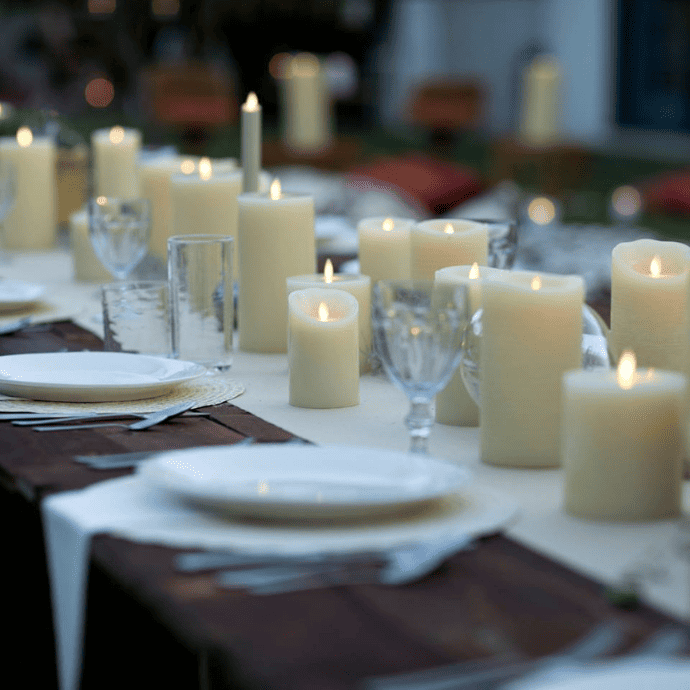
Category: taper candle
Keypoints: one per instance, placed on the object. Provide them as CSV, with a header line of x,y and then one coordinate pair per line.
x,y
251,143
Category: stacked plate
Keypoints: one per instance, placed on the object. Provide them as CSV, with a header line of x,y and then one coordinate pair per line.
x,y
16,295
92,376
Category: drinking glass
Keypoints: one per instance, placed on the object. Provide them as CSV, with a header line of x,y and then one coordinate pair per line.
x,y
502,242
119,232
201,299
418,327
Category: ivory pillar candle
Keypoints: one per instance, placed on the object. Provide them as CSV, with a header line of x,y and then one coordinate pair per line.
x,y
358,286
623,444
539,122
650,281
306,105
531,335
251,144
435,244
384,248
323,348
454,405
86,265
115,170
276,241
32,223
154,176
206,202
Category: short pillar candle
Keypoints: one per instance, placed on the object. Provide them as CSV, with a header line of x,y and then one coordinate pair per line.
x,y
435,244
623,443
531,335
650,281
115,170
323,350
454,406
384,248
357,285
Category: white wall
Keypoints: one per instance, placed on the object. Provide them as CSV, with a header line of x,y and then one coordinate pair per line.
x,y
485,39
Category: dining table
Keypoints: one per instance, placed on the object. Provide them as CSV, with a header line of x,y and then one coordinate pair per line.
x,y
528,588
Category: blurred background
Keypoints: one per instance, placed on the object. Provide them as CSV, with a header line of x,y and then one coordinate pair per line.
x,y
445,78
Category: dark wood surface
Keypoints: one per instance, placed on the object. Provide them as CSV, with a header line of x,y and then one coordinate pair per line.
x,y
148,625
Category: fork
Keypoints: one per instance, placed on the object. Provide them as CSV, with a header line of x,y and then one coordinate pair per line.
x,y
148,420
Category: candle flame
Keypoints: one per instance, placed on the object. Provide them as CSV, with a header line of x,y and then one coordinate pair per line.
x,y
117,135
328,271
251,105
24,137
627,365
187,166
448,229
102,200
205,169
536,283
474,271
323,311
387,224
655,267
275,189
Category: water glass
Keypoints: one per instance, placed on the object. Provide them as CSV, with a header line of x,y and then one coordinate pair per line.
x,y
136,317
201,298
502,242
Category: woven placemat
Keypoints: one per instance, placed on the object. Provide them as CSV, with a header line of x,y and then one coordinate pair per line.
x,y
204,391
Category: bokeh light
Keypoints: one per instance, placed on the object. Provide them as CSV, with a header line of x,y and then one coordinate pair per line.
x,y
541,210
99,93
626,201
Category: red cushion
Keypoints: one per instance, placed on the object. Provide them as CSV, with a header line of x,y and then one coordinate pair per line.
x,y
435,185
668,193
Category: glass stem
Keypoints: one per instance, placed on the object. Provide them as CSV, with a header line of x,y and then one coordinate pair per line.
x,y
419,421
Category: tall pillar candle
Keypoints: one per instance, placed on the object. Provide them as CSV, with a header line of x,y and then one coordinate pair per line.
x,y
323,348
276,241
531,335
454,405
358,286
306,105
206,202
435,244
154,178
251,143
384,248
623,443
540,114
32,223
115,169
650,283
86,266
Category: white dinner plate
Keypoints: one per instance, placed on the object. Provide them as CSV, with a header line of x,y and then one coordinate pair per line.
x,y
295,481
17,294
92,376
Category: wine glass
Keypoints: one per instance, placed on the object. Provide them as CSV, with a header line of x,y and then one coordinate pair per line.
x,y
119,232
418,327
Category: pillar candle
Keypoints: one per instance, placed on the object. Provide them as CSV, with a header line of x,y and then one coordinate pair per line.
x,y
206,202
154,176
435,244
323,348
115,170
649,302
306,105
251,144
276,241
623,443
32,223
85,263
384,248
531,335
454,405
539,122
357,285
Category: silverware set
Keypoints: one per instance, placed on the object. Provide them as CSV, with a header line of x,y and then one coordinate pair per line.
x,y
266,574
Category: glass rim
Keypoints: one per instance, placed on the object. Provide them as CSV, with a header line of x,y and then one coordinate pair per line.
x,y
199,238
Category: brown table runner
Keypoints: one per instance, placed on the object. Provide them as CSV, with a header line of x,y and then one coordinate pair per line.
x,y
148,624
